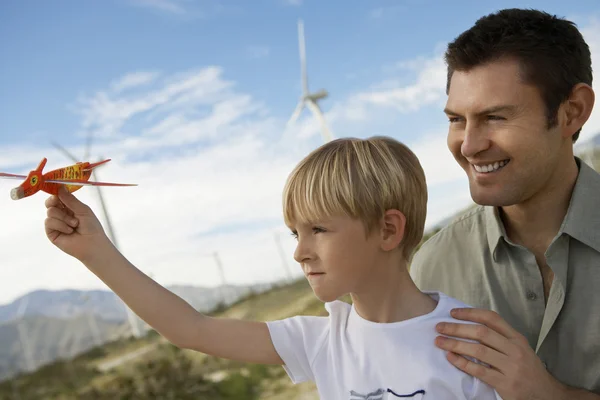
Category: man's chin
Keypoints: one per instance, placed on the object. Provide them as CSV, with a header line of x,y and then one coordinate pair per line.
x,y
488,197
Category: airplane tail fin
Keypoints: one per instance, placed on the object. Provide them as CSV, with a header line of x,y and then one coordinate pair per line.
x,y
41,165
94,165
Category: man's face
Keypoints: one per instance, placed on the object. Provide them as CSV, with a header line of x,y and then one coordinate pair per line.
x,y
336,255
498,134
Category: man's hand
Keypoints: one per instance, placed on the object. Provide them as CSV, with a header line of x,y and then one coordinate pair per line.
x,y
513,368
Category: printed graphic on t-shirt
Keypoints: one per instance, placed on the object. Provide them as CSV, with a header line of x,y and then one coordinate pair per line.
x,y
382,394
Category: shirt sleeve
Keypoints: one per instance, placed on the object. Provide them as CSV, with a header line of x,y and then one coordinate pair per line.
x,y
298,340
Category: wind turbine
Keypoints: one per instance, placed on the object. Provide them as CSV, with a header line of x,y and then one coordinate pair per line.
x,y
135,330
26,345
284,262
309,99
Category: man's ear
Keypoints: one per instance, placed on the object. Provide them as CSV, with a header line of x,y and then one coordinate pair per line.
x,y
577,109
392,229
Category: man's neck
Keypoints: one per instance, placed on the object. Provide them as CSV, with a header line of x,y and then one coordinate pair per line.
x,y
534,223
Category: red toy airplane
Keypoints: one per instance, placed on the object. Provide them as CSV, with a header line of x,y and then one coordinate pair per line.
x,y
73,177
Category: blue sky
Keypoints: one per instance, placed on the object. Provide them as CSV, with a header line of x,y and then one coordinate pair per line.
x,y
190,99
57,50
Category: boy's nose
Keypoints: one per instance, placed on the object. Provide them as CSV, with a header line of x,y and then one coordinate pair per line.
x,y
302,253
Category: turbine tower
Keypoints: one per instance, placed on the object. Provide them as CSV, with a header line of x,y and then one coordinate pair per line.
x,y
26,345
135,329
309,99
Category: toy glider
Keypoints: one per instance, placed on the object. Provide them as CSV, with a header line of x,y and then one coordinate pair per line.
x,y
72,177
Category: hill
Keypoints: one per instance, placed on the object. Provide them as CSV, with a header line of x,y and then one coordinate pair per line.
x,y
63,323
150,367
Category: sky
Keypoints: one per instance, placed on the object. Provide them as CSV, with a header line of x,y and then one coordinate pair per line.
x,y
190,99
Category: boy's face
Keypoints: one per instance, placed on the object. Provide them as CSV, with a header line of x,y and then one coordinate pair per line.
x,y
336,255
498,134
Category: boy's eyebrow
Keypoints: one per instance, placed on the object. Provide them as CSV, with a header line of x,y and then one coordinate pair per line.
x,y
490,110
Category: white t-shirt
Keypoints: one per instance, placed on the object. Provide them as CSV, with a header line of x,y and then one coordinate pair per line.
x,y
350,358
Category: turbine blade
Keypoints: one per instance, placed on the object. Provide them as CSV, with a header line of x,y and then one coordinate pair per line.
x,y
302,47
88,145
312,106
109,225
296,113
65,151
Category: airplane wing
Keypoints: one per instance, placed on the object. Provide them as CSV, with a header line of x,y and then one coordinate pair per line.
x,y
76,182
12,176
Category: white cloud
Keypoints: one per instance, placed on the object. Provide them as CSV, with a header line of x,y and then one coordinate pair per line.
x,y
428,88
105,113
134,79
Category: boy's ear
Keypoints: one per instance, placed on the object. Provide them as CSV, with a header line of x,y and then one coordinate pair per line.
x,y
392,233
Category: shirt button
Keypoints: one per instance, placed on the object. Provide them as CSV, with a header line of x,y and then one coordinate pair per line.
x,y
531,295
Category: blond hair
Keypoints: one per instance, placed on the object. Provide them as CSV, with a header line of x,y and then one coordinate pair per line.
x,y
362,179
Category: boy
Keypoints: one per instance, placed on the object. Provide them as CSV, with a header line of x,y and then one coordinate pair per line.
x,y
357,208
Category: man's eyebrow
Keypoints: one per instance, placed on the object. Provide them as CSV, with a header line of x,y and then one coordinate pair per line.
x,y
504,107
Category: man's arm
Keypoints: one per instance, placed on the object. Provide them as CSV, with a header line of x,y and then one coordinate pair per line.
x,y
513,368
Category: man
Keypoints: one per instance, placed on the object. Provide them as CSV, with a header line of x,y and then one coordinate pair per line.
x,y
519,92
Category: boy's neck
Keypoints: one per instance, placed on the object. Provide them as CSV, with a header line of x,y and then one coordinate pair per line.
x,y
390,295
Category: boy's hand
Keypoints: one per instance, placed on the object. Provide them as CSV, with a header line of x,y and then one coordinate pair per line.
x,y
72,226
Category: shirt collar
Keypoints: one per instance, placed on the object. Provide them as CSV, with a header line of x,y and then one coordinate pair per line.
x,y
581,222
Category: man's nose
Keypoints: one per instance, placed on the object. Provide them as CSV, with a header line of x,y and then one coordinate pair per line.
x,y
475,140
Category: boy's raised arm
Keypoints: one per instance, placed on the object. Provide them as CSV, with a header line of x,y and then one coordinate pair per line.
x,y
73,228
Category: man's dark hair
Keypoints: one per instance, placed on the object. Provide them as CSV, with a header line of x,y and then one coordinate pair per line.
x,y
551,51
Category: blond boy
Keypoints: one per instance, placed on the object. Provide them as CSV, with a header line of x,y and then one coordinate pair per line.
x,y
357,208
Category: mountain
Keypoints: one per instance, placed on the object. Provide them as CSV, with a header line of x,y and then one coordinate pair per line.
x,y
63,323
64,304
50,339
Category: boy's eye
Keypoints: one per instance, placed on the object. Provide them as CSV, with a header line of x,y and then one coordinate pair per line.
x,y
318,229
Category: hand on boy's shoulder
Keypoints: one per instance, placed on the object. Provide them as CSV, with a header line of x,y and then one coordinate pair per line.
x,y
72,226
504,358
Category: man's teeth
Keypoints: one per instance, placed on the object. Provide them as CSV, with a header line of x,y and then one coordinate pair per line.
x,y
490,167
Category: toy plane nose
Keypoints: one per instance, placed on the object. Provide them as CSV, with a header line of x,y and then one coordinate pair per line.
x,y
17,193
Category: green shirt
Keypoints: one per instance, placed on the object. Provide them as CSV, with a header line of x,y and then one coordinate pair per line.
x,y
473,260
